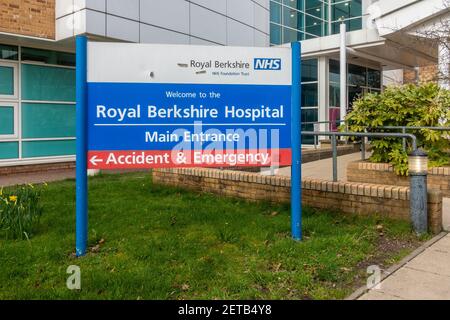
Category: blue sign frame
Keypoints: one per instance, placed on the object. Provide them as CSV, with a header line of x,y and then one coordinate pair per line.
x,y
82,144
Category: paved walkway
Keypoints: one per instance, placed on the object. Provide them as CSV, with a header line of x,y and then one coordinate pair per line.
x,y
426,277
37,177
323,169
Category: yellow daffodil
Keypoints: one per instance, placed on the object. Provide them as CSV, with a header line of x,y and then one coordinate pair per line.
x,y
13,198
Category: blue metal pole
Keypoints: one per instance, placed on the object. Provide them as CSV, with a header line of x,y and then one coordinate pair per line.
x,y
296,195
81,161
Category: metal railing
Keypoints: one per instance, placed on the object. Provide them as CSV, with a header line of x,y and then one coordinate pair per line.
x,y
334,135
404,129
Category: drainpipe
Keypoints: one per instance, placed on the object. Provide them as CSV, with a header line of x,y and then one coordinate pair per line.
x,y
444,64
343,71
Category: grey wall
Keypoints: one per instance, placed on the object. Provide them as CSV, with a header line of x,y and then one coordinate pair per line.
x,y
224,22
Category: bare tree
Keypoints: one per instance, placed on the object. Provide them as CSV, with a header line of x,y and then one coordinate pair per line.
x,y
432,37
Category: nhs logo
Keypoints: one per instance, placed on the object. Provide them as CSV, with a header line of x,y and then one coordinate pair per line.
x,y
267,64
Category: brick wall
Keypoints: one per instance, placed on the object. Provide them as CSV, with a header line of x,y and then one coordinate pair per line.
x,y
28,17
354,198
325,152
36,168
359,171
425,74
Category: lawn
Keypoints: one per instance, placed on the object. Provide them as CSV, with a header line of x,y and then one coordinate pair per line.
x,y
155,242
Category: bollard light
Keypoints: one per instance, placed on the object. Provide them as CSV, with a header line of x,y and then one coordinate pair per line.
x,y
418,163
418,169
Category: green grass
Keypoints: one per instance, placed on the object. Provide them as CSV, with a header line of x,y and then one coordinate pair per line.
x,y
166,243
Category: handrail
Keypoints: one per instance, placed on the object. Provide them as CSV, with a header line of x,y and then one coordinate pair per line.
x,y
358,134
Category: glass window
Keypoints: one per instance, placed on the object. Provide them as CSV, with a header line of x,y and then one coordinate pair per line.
x,y
334,71
309,115
6,80
297,4
356,75
48,83
290,35
309,70
6,120
374,78
275,34
313,26
48,120
9,150
335,94
345,10
31,149
292,18
310,95
8,52
354,93
314,7
47,56
275,12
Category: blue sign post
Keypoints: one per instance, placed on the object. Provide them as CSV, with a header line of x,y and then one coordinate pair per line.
x,y
296,194
142,106
81,157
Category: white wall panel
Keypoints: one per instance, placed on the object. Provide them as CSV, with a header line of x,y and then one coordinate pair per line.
x,y
150,34
239,34
122,29
127,9
208,25
170,14
166,21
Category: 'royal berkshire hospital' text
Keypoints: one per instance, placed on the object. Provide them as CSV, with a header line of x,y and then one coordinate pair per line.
x,y
121,114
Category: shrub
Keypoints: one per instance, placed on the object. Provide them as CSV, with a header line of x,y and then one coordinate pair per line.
x,y
20,211
408,105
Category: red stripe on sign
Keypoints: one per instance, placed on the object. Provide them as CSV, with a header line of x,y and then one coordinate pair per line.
x,y
142,159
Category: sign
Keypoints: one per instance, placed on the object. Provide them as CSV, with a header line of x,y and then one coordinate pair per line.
x,y
161,106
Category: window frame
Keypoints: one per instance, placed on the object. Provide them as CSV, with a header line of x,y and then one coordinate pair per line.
x,y
15,134
15,66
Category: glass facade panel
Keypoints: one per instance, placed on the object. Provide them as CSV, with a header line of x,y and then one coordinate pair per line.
x,y
8,52
48,120
32,149
309,115
357,75
361,80
6,80
335,94
292,19
6,120
335,71
374,78
297,4
48,57
310,95
346,9
290,35
313,26
48,83
9,150
311,17
314,8
275,34
309,70
275,12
